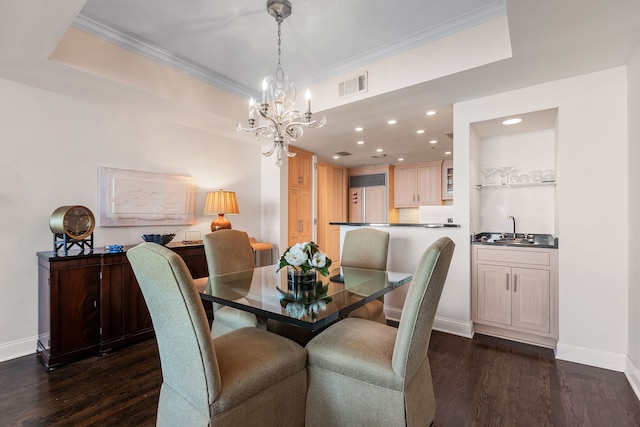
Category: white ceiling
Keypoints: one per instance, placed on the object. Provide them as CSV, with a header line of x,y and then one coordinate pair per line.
x,y
232,44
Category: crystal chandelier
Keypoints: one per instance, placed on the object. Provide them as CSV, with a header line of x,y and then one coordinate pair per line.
x,y
276,116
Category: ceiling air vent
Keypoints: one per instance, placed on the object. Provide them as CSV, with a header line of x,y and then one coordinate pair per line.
x,y
343,153
352,86
379,156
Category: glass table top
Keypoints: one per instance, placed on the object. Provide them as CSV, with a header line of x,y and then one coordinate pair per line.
x,y
263,291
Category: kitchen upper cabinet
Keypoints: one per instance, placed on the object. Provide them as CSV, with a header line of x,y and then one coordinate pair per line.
x,y
418,184
300,169
447,180
515,293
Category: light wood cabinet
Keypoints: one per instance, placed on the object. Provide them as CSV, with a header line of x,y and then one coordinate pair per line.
x,y
378,206
418,184
515,293
300,215
300,212
447,180
300,169
331,205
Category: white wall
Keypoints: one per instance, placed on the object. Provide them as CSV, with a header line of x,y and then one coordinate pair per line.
x,y
592,194
532,207
633,365
52,147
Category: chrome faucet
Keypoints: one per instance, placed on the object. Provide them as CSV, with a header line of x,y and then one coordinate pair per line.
x,y
514,226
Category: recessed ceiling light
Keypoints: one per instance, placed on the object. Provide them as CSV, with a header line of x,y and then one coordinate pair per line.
x,y
379,150
392,122
433,141
447,152
431,113
401,159
420,131
358,129
336,157
360,142
511,121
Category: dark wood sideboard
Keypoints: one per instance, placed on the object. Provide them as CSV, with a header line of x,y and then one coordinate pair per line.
x,y
90,302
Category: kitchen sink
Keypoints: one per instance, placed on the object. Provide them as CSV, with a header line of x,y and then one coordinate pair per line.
x,y
514,241
520,239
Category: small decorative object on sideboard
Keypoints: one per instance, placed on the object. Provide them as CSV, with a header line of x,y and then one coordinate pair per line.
x,y
72,226
161,239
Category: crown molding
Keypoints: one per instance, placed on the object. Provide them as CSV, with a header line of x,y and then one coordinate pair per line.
x,y
165,57
147,49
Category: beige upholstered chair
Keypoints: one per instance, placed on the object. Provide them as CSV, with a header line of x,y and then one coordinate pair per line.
x,y
365,373
245,377
228,251
367,248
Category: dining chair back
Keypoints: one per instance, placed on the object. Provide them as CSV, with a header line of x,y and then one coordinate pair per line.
x,y
367,248
247,375
228,251
365,373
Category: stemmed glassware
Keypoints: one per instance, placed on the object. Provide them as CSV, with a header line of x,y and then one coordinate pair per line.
x,y
487,173
505,172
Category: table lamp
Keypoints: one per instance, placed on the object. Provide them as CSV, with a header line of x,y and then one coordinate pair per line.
x,y
221,203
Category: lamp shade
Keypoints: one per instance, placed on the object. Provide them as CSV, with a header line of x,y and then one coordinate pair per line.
x,y
221,203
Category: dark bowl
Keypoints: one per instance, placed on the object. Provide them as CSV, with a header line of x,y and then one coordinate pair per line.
x,y
161,239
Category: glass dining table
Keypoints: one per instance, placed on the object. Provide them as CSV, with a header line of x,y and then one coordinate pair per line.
x,y
264,292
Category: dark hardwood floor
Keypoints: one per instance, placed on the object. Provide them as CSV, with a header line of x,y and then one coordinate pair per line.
x,y
480,382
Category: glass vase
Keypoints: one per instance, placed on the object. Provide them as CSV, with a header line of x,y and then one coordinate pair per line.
x,y
301,285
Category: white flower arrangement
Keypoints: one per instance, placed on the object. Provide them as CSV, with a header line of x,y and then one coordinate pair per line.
x,y
306,257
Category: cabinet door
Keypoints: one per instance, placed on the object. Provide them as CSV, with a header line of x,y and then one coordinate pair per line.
x,y
75,311
124,312
429,185
531,299
299,216
494,294
356,203
405,191
300,170
375,206
447,180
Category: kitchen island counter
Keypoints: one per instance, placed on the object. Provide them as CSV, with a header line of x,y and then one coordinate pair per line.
x,y
397,224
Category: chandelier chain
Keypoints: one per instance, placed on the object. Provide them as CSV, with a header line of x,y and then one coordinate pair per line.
x,y
279,70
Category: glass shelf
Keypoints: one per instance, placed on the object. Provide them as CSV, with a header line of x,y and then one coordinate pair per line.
x,y
518,184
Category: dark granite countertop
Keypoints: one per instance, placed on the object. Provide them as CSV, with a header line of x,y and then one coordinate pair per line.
x,y
373,224
526,240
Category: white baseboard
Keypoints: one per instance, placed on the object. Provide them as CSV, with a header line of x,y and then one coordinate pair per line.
x,y
633,376
15,349
591,357
453,327
442,324
392,313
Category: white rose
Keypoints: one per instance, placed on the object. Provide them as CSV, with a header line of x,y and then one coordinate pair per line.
x,y
319,260
296,309
296,255
318,306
